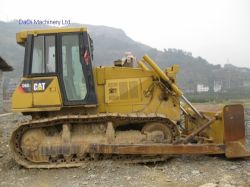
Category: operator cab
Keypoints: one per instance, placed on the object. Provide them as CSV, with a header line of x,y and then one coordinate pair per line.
x,y
57,60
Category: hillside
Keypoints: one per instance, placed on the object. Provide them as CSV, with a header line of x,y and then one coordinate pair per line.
x,y
111,43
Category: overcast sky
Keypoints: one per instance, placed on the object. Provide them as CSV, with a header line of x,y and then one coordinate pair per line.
x,y
217,30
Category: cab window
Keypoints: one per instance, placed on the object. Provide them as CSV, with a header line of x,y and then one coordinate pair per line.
x,y
43,58
73,76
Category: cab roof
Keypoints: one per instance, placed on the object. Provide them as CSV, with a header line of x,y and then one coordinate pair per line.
x,y
21,37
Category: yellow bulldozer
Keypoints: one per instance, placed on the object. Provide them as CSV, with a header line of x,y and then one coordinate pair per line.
x,y
134,113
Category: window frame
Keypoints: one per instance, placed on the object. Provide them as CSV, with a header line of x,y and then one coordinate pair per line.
x,y
78,48
45,74
90,98
84,43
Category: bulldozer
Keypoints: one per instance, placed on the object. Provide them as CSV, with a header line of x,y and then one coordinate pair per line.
x,y
128,112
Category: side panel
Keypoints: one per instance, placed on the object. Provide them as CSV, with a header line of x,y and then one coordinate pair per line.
x,y
125,90
22,96
37,94
46,92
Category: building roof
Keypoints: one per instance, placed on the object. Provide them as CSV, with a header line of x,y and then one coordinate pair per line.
x,y
4,66
21,37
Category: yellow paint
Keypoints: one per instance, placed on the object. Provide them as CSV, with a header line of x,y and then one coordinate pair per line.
x,y
21,37
36,109
116,94
142,65
118,90
215,131
21,100
162,75
50,97
39,100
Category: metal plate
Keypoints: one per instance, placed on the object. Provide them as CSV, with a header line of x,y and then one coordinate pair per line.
x,y
234,123
157,149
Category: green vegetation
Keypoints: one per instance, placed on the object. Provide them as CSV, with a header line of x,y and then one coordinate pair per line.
x,y
240,95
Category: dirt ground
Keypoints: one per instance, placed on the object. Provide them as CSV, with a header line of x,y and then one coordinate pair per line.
x,y
205,171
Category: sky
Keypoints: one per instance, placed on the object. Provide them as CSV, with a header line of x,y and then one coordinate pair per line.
x,y
217,30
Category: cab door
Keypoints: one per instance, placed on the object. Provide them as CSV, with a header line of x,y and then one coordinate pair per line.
x,y
75,69
44,80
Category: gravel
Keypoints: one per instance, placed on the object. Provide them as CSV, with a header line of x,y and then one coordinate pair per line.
x,y
202,171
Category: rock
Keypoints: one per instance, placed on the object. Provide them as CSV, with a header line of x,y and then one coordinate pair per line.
x,y
233,167
160,168
233,182
85,183
225,184
103,178
228,185
226,181
184,179
83,166
209,185
128,178
196,172
3,183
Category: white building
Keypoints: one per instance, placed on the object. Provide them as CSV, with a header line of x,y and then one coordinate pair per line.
x,y
202,88
217,86
246,83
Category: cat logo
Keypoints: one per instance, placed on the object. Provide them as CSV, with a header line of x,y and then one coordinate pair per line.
x,y
40,86
28,86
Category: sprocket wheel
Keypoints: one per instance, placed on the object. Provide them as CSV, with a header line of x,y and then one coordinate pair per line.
x,y
160,133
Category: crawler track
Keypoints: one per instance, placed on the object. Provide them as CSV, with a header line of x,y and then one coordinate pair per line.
x,y
74,160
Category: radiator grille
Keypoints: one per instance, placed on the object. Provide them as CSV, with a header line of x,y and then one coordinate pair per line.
x,y
133,86
122,90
